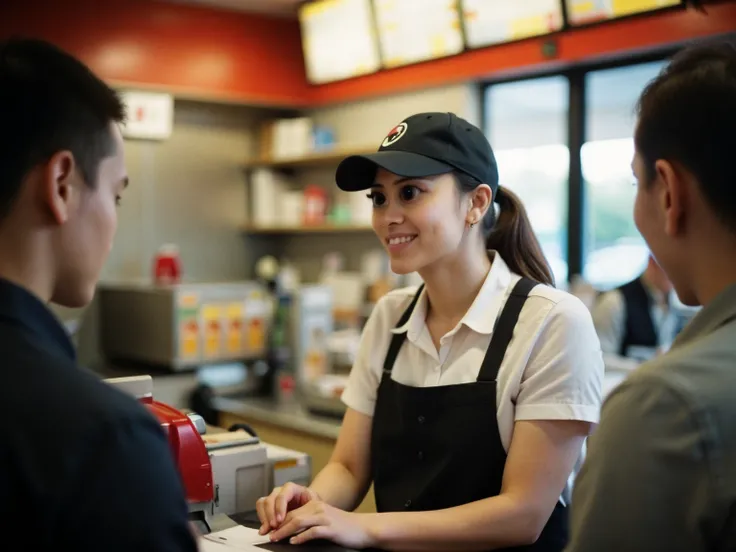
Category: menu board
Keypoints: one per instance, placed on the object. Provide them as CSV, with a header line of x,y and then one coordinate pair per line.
x,y
338,39
410,31
580,12
495,21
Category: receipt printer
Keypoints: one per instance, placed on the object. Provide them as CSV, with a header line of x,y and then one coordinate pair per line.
x,y
223,472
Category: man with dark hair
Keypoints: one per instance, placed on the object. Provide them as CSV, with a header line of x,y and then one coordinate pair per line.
x,y
82,466
661,468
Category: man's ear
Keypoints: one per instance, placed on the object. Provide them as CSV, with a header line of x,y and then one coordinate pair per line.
x,y
672,195
58,188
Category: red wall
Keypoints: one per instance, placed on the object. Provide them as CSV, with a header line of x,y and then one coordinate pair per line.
x,y
188,50
230,56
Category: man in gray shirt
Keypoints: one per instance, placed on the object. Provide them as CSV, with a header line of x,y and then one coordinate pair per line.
x,y
661,468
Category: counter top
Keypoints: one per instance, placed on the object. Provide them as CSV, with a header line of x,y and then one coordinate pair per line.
x,y
250,519
290,416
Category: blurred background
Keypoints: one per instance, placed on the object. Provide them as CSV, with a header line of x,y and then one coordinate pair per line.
x,y
240,276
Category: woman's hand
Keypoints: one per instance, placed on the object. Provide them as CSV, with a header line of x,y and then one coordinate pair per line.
x,y
319,520
272,509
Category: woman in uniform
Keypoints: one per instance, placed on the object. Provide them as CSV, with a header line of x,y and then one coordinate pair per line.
x,y
471,397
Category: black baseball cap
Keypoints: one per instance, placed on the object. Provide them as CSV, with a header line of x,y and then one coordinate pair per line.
x,y
425,144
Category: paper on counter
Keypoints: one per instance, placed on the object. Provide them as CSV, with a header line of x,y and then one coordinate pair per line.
x,y
235,538
204,545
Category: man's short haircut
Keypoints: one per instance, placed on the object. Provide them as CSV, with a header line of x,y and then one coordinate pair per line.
x,y
50,102
687,115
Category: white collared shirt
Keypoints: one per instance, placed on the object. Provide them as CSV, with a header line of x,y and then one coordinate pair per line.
x,y
552,370
609,317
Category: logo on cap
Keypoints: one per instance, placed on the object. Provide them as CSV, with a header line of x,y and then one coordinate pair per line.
x,y
395,135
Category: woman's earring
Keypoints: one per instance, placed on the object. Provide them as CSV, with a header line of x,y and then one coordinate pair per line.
x,y
472,224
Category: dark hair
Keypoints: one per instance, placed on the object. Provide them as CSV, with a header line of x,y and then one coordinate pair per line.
x,y
49,102
511,234
687,115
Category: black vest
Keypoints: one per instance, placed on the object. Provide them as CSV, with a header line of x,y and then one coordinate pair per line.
x,y
639,326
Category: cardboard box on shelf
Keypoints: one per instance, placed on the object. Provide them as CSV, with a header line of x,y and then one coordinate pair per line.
x,y
286,138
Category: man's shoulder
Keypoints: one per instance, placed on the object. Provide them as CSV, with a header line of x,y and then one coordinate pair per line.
x,y
74,443
700,369
695,381
76,398
108,405
56,402
662,378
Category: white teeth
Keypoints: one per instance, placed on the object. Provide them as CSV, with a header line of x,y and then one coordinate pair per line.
x,y
403,239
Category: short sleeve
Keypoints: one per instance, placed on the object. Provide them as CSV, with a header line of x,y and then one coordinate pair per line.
x,y
362,388
127,493
564,374
608,320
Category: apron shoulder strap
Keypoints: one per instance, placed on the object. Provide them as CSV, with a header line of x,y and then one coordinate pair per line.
x,y
397,340
504,330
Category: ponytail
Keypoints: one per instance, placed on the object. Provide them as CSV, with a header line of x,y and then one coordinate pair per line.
x,y
514,239
511,233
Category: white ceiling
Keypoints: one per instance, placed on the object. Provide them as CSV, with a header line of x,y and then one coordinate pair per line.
x,y
286,8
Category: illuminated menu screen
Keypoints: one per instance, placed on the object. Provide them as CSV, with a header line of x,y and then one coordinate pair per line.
x,y
338,39
580,12
496,21
411,31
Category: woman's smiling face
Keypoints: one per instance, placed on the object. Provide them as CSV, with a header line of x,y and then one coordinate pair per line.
x,y
418,220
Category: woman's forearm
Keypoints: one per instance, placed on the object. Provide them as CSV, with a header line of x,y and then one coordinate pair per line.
x,y
497,522
337,486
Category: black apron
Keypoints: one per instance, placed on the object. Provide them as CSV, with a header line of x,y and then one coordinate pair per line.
x,y
440,447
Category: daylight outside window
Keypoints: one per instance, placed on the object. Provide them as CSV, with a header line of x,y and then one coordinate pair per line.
x,y
527,126
614,251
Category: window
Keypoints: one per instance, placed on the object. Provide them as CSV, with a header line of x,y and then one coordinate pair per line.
x,y
526,123
564,143
614,251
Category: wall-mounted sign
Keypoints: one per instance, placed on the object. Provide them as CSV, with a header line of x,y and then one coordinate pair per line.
x,y
411,31
338,39
580,12
150,115
489,22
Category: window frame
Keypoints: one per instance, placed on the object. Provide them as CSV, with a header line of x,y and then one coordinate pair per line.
x,y
576,134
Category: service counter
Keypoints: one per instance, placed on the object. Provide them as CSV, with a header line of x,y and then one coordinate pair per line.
x,y
290,426
250,519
